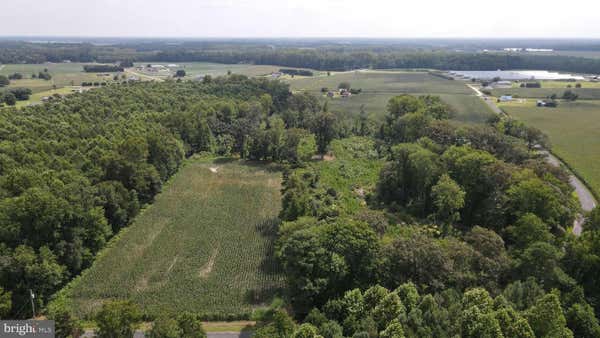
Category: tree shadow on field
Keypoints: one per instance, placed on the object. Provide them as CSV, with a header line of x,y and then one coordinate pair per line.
x,y
224,160
269,266
270,167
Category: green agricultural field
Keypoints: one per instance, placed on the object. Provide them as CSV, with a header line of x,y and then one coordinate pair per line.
x,y
195,69
584,93
379,86
205,245
562,84
574,131
63,74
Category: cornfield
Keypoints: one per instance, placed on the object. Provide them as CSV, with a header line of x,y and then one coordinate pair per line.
x,y
204,245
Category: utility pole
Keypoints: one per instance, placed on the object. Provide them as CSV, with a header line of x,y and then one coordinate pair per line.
x,y
32,296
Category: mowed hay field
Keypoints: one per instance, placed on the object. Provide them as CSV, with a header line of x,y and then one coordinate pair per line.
x,y
379,86
205,245
574,131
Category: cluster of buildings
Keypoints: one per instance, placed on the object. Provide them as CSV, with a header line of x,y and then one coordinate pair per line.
x,y
529,50
156,68
342,92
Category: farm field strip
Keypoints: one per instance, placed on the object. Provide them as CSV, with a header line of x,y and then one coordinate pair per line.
x,y
205,245
195,69
379,86
540,93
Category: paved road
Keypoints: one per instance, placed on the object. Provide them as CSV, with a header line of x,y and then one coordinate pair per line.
x,y
486,99
587,200
140,334
228,334
91,334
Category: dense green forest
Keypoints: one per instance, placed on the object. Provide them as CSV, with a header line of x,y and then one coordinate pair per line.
x,y
448,229
464,233
75,171
318,56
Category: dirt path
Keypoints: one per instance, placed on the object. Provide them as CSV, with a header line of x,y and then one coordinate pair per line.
x,y
586,199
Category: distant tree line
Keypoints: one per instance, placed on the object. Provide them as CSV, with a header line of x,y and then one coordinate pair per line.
x,y
294,72
102,68
341,60
321,57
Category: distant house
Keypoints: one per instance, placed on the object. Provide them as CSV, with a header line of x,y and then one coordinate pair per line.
x,y
502,84
276,75
345,93
544,103
505,98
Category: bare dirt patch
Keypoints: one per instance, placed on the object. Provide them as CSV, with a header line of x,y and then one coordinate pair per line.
x,y
207,268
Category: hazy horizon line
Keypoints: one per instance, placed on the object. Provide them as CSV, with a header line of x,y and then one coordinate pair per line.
x,y
301,37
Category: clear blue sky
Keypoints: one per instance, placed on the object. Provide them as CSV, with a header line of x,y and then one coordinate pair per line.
x,y
302,18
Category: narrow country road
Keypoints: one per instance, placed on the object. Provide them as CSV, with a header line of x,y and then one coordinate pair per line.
x,y
486,99
586,199
140,334
228,334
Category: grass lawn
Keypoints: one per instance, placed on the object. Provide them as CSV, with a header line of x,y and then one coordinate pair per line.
x,y
574,131
379,86
205,245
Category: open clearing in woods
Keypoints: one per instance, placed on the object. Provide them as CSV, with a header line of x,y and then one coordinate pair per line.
x,y
205,245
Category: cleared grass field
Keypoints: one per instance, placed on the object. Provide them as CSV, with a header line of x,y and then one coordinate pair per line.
x,y
72,74
574,131
63,74
205,245
379,86
37,97
584,93
563,84
195,69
